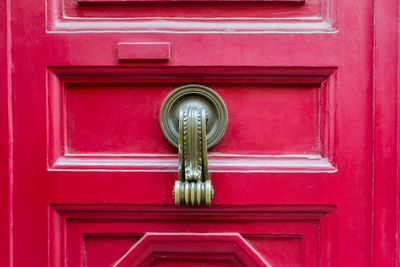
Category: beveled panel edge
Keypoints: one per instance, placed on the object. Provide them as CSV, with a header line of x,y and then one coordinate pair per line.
x,y
152,246
245,25
217,163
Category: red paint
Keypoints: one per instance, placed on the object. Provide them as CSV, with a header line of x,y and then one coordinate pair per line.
x,y
142,51
183,15
306,174
214,249
124,1
385,220
283,235
5,177
134,134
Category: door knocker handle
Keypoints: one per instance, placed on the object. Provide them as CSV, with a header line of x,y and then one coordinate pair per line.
x,y
193,118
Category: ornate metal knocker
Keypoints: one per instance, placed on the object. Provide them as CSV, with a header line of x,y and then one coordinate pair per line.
x,y
193,118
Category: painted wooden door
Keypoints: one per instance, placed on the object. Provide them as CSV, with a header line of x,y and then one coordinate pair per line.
x,y
90,173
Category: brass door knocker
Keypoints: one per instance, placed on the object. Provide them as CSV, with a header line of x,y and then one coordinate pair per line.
x,y
193,118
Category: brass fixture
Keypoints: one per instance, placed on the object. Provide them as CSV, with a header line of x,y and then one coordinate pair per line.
x,y
193,118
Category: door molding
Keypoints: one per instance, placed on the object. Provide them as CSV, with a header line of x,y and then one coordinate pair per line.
x,y
385,135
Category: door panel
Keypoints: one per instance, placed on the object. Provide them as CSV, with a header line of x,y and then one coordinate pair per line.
x,y
125,15
93,174
137,128
293,130
269,235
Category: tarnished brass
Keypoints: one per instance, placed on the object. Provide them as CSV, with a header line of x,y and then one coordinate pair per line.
x,y
198,96
199,117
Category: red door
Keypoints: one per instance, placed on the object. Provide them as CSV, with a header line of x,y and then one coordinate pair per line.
x,y
305,174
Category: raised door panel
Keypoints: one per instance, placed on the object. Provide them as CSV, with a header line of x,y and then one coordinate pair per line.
x,y
237,236
275,122
242,15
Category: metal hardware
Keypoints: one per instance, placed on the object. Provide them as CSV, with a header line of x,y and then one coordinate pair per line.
x,y
193,118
